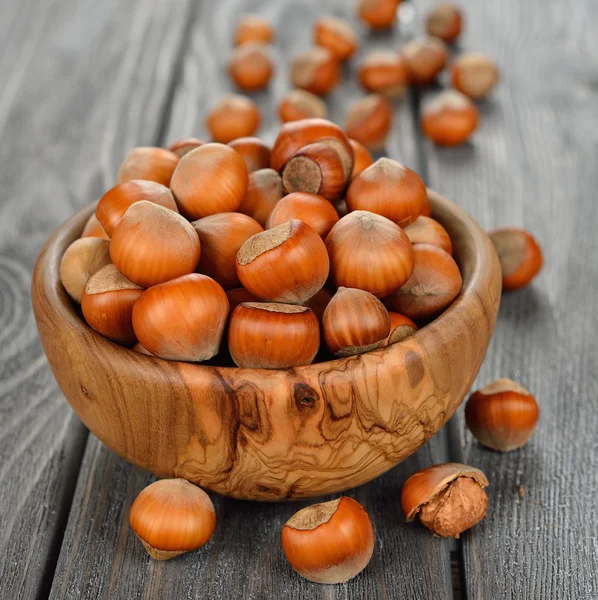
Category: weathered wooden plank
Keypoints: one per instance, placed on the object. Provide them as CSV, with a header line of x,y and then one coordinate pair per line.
x,y
533,164
101,556
80,85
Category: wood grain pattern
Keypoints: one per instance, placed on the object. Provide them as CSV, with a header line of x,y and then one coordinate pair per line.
x,y
533,164
273,434
77,89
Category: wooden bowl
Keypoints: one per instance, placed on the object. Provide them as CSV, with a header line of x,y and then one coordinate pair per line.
x,y
273,435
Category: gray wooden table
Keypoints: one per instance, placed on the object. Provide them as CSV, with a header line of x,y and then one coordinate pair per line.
x,y
83,81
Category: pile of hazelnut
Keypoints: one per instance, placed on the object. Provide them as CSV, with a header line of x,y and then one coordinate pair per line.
x,y
232,250
249,241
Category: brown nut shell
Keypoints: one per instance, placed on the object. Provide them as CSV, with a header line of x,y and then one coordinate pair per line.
x,y
185,145
251,66
264,190
434,284
288,263
502,415
369,252
272,335
384,72
401,327
389,189
316,70
378,14
448,498
182,319
255,153
354,322
253,28
337,35
330,542
301,104
152,164
474,75
450,119
369,121
425,230
234,116
520,256
444,21
425,59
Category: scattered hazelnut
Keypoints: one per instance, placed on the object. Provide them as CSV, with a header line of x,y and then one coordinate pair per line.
x,y
337,35
316,70
447,499
425,59
450,119
384,72
378,14
172,516
251,66
474,75
233,117
519,254
444,21
369,121
502,415
301,104
329,542
253,28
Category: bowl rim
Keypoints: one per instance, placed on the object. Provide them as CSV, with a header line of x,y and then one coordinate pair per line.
x,y
465,235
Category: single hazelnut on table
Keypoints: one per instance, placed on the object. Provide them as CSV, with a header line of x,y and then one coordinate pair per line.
x,y
401,327
318,302
450,118
255,153
221,236
81,260
301,104
152,244
519,254
93,228
447,498
253,28
210,179
434,284
316,70
354,322
171,517
389,189
337,35
369,252
362,158
107,305
152,164
116,201
251,66
288,263
315,169
444,21
234,116
384,72
239,295
425,230
296,134
474,75
185,145
378,14
369,121
330,542
264,190
314,210
502,415
269,335
425,59
182,319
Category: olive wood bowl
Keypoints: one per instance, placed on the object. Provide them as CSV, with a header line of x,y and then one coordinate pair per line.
x,y
273,434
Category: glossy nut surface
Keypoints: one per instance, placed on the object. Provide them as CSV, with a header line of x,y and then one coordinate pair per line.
x,y
450,119
234,116
337,35
425,230
316,70
254,151
384,72
264,190
502,415
153,164
425,59
273,335
369,121
301,104
251,66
